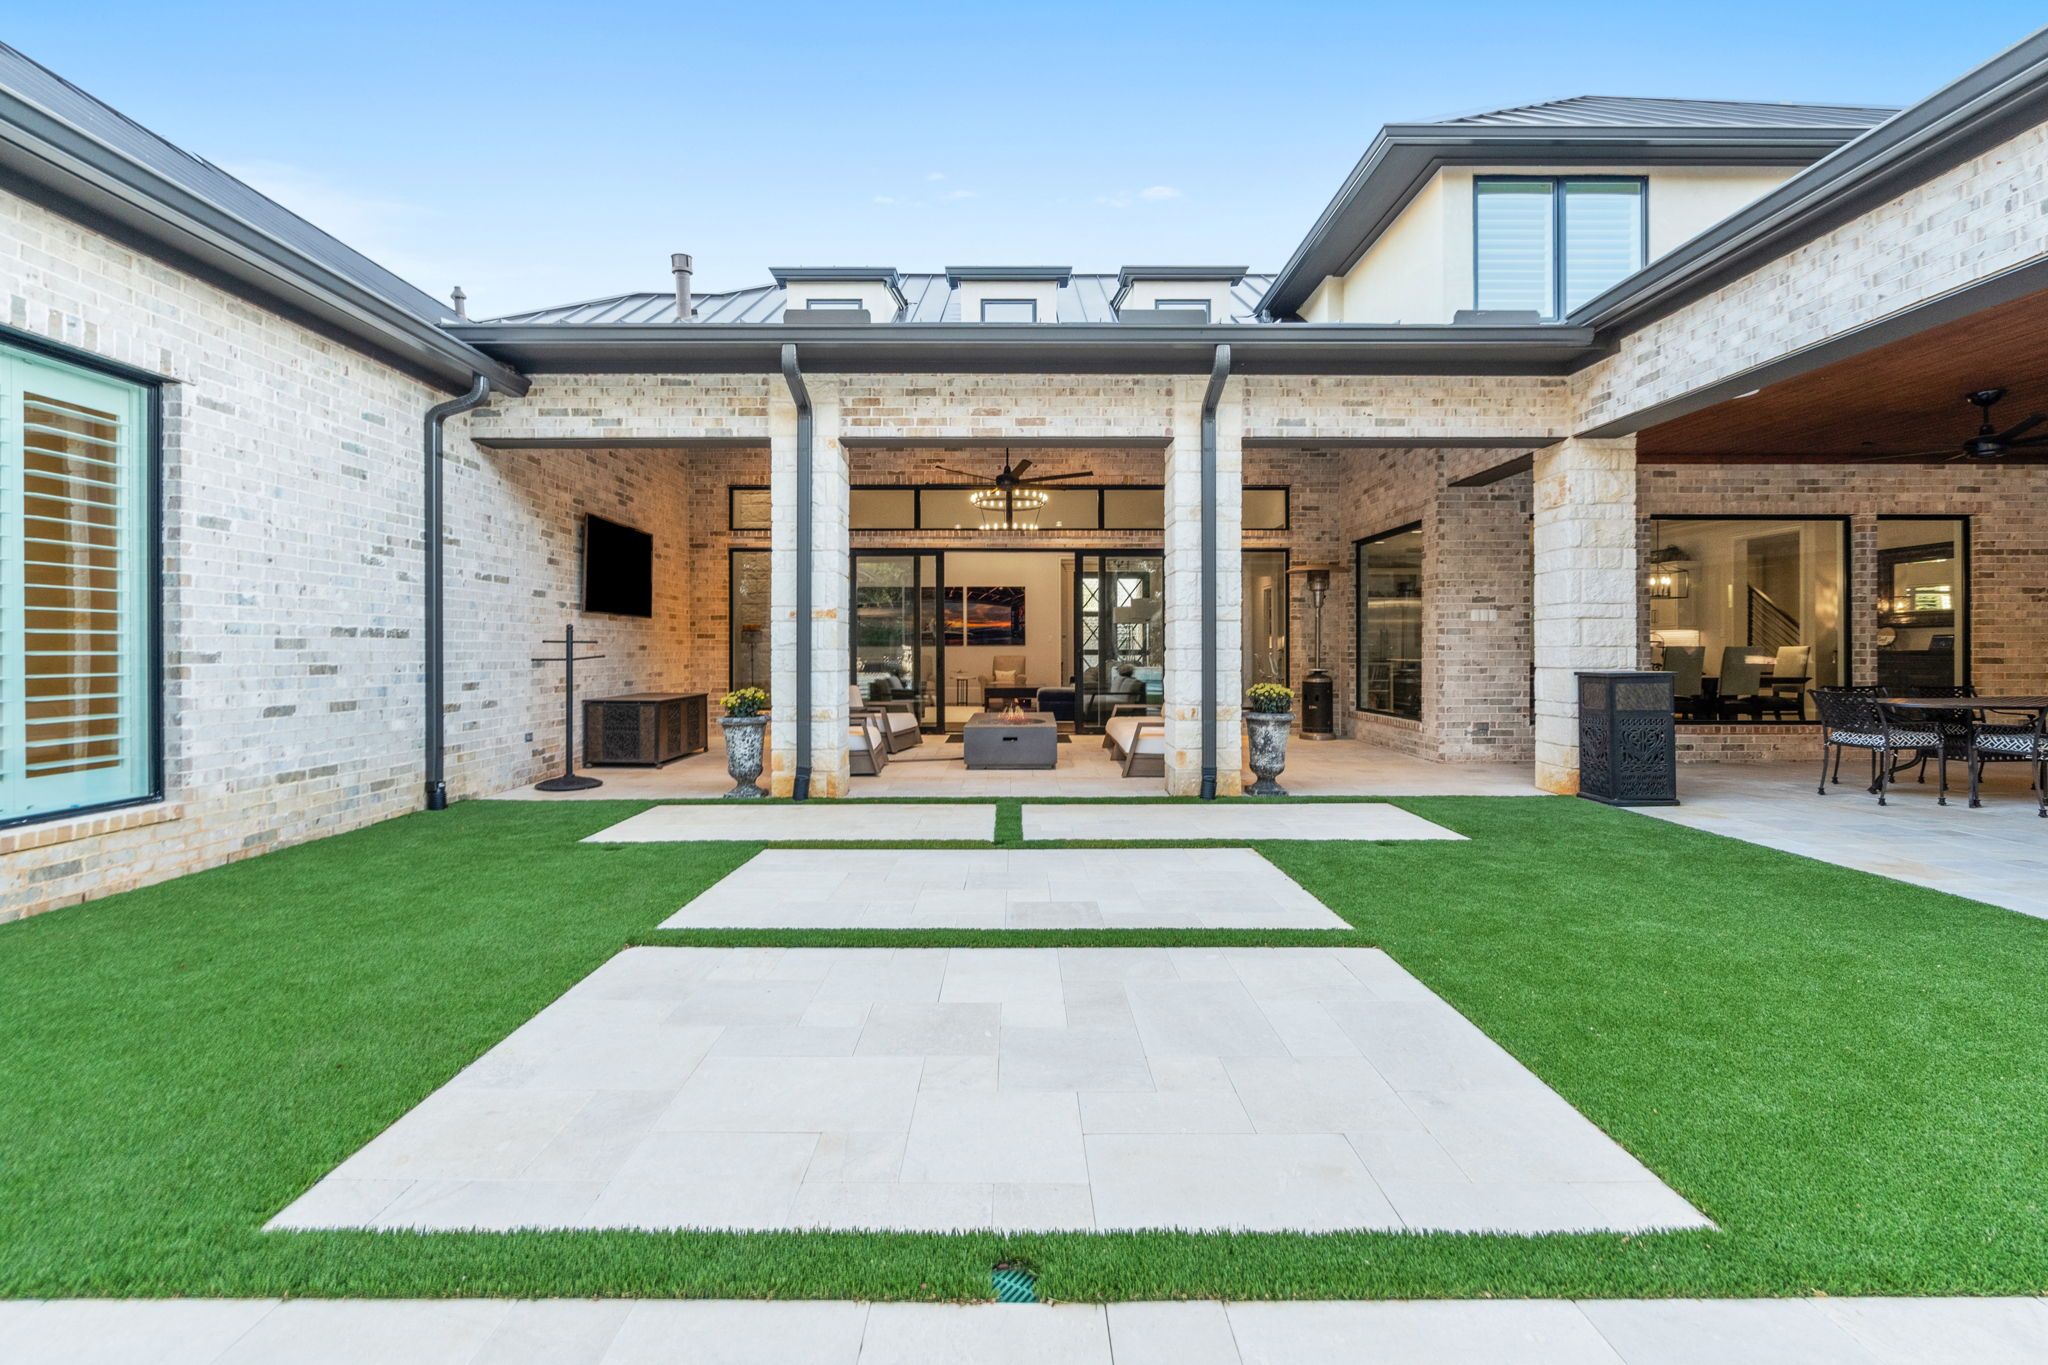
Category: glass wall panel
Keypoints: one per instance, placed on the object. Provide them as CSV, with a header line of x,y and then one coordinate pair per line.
x,y
1122,635
1389,674
1071,509
747,600
947,509
1923,603
1748,614
1265,617
896,630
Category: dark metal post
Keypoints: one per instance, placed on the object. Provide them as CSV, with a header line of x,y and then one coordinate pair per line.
x,y
570,780
800,788
1218,374
437,787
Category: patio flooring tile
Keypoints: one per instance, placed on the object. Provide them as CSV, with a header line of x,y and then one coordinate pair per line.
x,y
813,822
800,888
1051,1089
1349,820
1813,1331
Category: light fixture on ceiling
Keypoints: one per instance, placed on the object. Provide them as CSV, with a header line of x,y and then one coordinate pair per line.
x,y
1012,502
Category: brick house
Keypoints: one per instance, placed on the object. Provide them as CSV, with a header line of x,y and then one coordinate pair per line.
x,y
1592,384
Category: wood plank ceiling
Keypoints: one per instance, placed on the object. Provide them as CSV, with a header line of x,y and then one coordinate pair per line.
x,y
1897,399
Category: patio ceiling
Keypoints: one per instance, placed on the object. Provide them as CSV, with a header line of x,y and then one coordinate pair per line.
x,y
1895,399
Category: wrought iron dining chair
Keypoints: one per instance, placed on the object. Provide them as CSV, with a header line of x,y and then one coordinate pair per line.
x,y
1857,718
2013,744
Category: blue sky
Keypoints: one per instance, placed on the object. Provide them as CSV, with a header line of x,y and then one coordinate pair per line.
x,y
541,153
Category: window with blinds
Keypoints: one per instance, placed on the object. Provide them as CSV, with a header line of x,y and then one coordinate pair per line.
x,y
76,712
1548,244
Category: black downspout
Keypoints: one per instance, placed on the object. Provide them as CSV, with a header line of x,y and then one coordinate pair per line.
x,y
437,786
800,788
1217,375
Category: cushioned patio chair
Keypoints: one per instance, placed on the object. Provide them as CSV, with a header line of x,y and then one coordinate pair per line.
x,y
1851,718
898,717
1136,738
2012,744
867,744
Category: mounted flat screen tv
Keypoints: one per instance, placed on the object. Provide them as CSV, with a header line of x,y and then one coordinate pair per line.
x,y
618,568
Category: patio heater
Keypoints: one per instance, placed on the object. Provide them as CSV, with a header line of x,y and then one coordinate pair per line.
x,y
1318,689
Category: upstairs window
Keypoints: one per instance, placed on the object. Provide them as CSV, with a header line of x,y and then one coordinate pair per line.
x,y
1185,306
838,305
1009,310
1548,244
77,591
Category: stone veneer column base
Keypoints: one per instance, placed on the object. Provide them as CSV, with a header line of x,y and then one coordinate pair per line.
x,y
1585,587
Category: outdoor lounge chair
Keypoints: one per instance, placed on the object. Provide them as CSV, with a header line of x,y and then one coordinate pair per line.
x,y
898,718
1136,738
868,745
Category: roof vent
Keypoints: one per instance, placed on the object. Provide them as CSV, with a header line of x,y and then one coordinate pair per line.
x,y
461,302
680,264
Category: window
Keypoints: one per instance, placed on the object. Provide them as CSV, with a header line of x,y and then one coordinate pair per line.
x,y
1923,603
1265,617
1389,570
1186,306
882,509
1133,509
747,593
1748,614
1547,245
844,305
1009,310
747,509
1265,509
78,721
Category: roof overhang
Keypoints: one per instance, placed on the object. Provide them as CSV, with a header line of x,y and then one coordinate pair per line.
x,y
1062,348
1230,276
1403,158
1985,107
1009,274
47,158
835,274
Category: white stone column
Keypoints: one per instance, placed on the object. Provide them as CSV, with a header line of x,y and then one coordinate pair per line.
x,y
1183,588
830,491
1585,587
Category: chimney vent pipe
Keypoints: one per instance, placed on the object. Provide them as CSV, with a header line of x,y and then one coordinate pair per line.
x,y
461,301
680,264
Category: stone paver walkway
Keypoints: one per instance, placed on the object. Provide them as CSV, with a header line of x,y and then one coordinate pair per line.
x,y
817,822
1099,888
1348,820
1084,1088
622,1332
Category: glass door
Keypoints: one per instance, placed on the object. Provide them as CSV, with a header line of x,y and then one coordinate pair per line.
x,y
1120,646
897,642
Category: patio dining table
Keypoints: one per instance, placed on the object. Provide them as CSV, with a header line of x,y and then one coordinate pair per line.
x,y
2029,705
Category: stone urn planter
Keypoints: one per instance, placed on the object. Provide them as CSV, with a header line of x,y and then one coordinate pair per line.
x,y
1268,723
745,724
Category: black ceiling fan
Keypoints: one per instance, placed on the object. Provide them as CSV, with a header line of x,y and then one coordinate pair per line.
x,y
1013,476
1989,443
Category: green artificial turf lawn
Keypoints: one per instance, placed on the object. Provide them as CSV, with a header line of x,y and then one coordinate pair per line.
x,y
1849,1075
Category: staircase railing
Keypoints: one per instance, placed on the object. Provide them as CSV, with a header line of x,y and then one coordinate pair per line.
x,y
1770,625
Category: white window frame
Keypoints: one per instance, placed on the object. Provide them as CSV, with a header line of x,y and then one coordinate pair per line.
x,y
1187,306
1031,304
845,305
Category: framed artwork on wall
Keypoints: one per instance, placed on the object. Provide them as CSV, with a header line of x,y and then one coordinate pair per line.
x,y
984,616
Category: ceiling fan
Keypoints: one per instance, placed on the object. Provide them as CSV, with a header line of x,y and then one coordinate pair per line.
x,y
1012,476
1989,443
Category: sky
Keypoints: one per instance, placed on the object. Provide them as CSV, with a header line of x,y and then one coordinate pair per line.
x,y
539,154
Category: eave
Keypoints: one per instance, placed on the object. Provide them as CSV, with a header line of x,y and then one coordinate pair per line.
x,y
1062,348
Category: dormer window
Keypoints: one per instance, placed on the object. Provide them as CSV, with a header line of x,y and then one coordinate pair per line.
x,y
838,305
876,290
1199,307
1547,244
1009,310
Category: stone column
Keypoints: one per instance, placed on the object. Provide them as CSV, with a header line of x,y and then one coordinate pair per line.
x,y
1585,587
1183,479
830,490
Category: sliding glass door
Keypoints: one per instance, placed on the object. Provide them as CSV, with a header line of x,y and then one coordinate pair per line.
x,y
896,636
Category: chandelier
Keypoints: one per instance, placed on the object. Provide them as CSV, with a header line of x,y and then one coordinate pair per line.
x,y
1008,509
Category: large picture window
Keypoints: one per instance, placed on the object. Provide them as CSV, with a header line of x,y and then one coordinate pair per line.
x,y
1547,245
1923,603
77,590
1389,576
1748,614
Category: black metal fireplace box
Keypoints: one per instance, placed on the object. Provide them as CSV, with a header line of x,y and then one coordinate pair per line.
x,y
1628,744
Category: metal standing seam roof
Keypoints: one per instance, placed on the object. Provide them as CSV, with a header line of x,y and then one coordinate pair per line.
x,y
927,298
1621,111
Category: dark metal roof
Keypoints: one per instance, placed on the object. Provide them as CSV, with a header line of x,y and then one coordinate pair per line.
x,y
107,171
1588,131
1610,111
926,295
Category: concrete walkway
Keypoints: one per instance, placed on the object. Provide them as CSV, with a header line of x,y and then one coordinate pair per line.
x,y
810,822
621,1332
